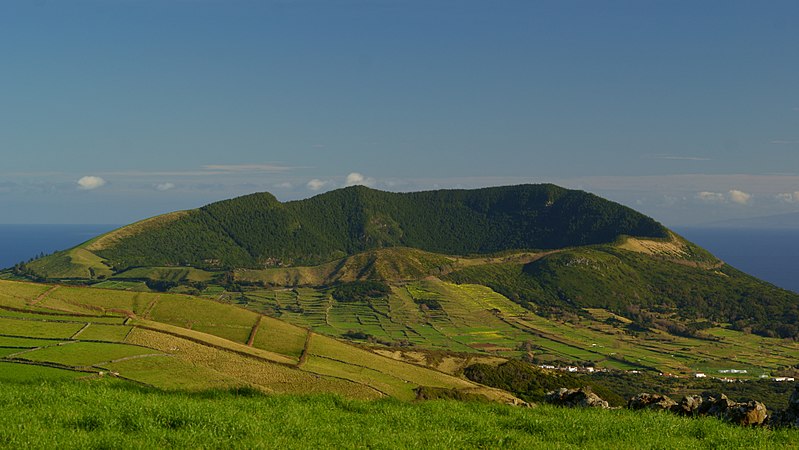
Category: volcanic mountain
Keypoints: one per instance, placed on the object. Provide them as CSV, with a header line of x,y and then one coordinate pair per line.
x,y
546,248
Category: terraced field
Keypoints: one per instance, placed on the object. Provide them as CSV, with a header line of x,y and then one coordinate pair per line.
x,y
180,342
436,315
176,341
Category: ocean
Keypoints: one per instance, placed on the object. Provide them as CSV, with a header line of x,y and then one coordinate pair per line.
x,y
769,254
23,242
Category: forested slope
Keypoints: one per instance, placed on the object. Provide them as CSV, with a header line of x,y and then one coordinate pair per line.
x,y
257,230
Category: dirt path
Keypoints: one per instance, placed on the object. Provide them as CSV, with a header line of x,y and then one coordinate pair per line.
x,y
305,349
22,352
149,308
327,312
254,331
127,358
28,350
77,333
43,295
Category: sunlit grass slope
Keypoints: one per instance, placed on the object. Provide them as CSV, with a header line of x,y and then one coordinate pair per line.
x,y
103,415
175,341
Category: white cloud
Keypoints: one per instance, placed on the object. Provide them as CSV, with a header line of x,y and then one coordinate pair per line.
x,y
788,197
165,186
734,195
356,178
740,197
316,184
90,182
284,185
710,196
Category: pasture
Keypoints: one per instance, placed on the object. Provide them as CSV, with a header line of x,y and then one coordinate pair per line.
x,y
439,316
176,341
48,415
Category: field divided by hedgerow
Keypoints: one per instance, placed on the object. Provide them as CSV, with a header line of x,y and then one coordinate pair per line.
x,y
435,315
84,354
174,341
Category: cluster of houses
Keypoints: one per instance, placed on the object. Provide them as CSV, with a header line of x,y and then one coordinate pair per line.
x,y
743,371
573,369
578,369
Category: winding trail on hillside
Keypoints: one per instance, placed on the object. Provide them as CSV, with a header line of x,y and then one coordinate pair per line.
x,y
149,308
305,349
43,295
254,331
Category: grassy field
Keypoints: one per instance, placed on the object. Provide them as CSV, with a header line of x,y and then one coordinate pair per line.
x,y
280,337
102,414
176,341
170,373
138,286
80,354
471,319
74,263
28,373
102,332
391,264
38,329
173,274
475,319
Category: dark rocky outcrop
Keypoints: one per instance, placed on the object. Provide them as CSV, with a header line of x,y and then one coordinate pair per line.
x,y
581,397
688,405
715,406
745,414
651,401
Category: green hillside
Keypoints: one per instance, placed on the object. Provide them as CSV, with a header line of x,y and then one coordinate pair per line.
x,y
644,288
179,342
257,231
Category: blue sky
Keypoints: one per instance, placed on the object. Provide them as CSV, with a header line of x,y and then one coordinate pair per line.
x,y
112,111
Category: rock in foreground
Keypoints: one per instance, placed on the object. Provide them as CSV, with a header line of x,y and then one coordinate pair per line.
x,y
581,397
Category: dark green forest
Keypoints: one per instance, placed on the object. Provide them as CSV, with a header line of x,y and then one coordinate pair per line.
x,y
257,230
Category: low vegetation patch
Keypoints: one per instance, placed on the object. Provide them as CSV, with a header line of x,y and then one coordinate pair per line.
x,y
360,291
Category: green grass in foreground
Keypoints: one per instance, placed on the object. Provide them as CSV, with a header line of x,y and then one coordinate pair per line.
x,y
114,415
